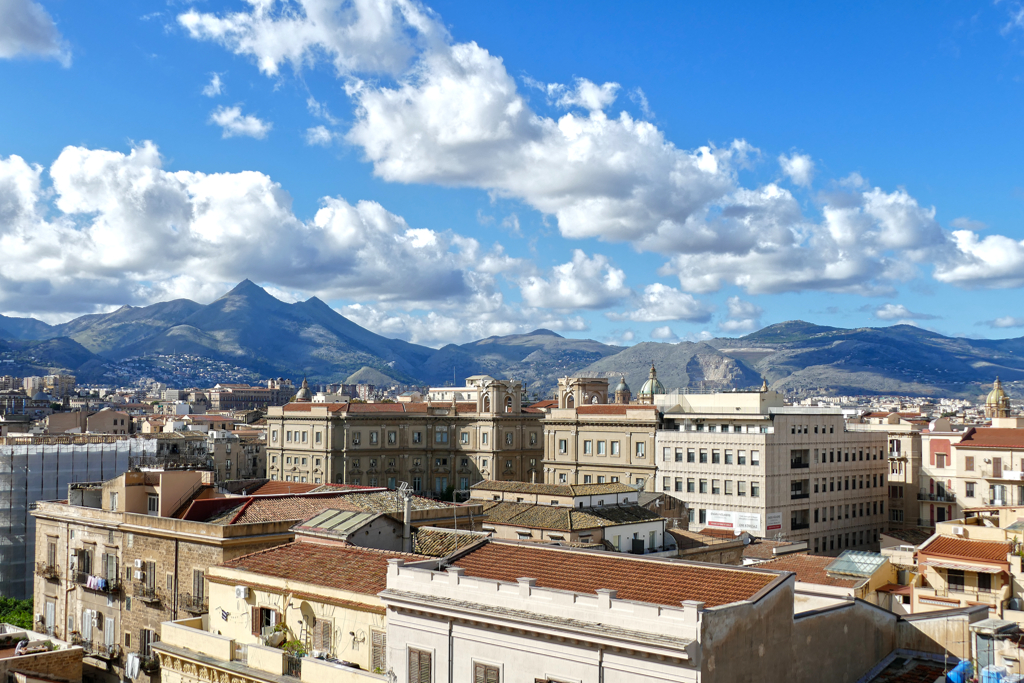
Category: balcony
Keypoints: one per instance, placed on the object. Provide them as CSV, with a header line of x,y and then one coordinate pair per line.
x,y
194,604
798,465
945,497
48,571
799,526
799,495
97,584
146,593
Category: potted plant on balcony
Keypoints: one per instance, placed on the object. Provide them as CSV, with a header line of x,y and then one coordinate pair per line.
x,y
149,664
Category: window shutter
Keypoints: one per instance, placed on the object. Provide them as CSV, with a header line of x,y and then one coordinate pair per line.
x,y
313,628
151,575
255,621
324,627
379,643
198,584
111,567
479,673
419,666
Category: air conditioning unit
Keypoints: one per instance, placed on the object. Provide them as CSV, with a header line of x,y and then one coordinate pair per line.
x,y
241,592
958,531
138,564
139,576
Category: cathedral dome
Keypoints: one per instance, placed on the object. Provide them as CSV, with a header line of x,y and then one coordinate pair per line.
x,y
652,385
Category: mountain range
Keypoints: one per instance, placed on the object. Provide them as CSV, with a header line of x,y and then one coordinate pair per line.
x,y
248,328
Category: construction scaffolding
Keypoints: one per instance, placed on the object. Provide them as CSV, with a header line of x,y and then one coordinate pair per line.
x,y
32,470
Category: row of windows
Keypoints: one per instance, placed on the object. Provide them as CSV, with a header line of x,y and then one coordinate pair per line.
x,y
854,510
849,456
297,436
727,428
802,429
718,486
846,483
718,456
440,436
841,541
603,448
289,460
563,478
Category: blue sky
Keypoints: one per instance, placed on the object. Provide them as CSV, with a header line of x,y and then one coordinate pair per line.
x,y
447,171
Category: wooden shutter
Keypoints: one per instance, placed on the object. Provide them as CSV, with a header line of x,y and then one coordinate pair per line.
x,y
379,656
198,584
313,629
483,673
323,627
51,554
419,666
255,621
151,575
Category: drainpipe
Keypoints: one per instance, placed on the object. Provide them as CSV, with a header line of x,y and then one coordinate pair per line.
x,y
600,665
451,653
177,569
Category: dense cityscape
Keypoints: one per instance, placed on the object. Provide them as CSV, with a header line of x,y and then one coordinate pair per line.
x,y
426,341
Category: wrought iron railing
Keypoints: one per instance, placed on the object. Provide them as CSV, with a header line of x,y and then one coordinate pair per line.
x,y
47,570
292,666
146,593
195,604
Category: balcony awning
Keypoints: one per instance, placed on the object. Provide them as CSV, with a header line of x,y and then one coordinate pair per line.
x,y
976,568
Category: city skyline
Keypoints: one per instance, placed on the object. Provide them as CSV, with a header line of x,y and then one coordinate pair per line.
x,y
443,172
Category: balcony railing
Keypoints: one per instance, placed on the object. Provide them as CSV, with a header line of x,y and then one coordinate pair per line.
x,y
798,465
797,526
146,593
946,497
292,666
799,495
194,604
106,586
47,571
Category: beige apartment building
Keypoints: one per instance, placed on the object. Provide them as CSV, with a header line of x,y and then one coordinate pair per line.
x,y
588,441
431,445
745,461
112,563
905,459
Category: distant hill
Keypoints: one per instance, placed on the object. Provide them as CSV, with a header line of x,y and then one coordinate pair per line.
x,y
537,359
367,375
250,329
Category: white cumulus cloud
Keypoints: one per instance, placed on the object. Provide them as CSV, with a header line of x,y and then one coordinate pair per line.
x,y
319,136
660,303
798,167
1005,322
215,87
236,124
900,312
584,282
28,30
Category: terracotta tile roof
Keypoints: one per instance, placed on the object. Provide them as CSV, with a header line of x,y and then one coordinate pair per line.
x,y
564,518
443,542
991,437
718,532
540,405
359,570
915,535
553,489
272,508
277,487
687,540
299,506
377,408
613,409
661,582
808,569
950,546
762,549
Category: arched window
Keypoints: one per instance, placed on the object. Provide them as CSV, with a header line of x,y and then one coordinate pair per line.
x,y
508,404
487,404
595,399
570,400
